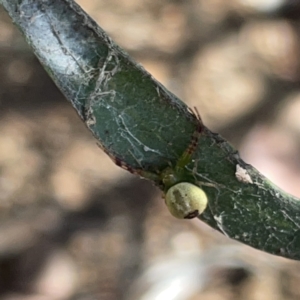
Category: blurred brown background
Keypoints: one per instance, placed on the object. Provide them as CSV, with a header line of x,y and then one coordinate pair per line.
x,y
74,226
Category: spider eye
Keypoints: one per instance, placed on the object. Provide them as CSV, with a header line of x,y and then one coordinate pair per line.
x,y
185,200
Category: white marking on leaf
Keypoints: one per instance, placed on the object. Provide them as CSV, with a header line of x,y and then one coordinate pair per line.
x,y
242,175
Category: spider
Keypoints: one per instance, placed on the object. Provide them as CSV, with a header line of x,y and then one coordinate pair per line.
x,y
184,199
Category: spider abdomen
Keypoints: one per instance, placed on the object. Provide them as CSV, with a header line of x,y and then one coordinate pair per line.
x,y
185,200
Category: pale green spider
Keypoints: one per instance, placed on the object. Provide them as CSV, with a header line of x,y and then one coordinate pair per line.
x,y
184,199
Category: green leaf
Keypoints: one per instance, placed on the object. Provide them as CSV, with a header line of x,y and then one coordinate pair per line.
x,y
148,128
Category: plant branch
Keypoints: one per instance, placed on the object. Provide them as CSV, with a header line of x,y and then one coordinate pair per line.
x,y
137,120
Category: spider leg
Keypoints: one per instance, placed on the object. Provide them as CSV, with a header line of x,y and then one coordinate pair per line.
x,y
189,151
122,164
